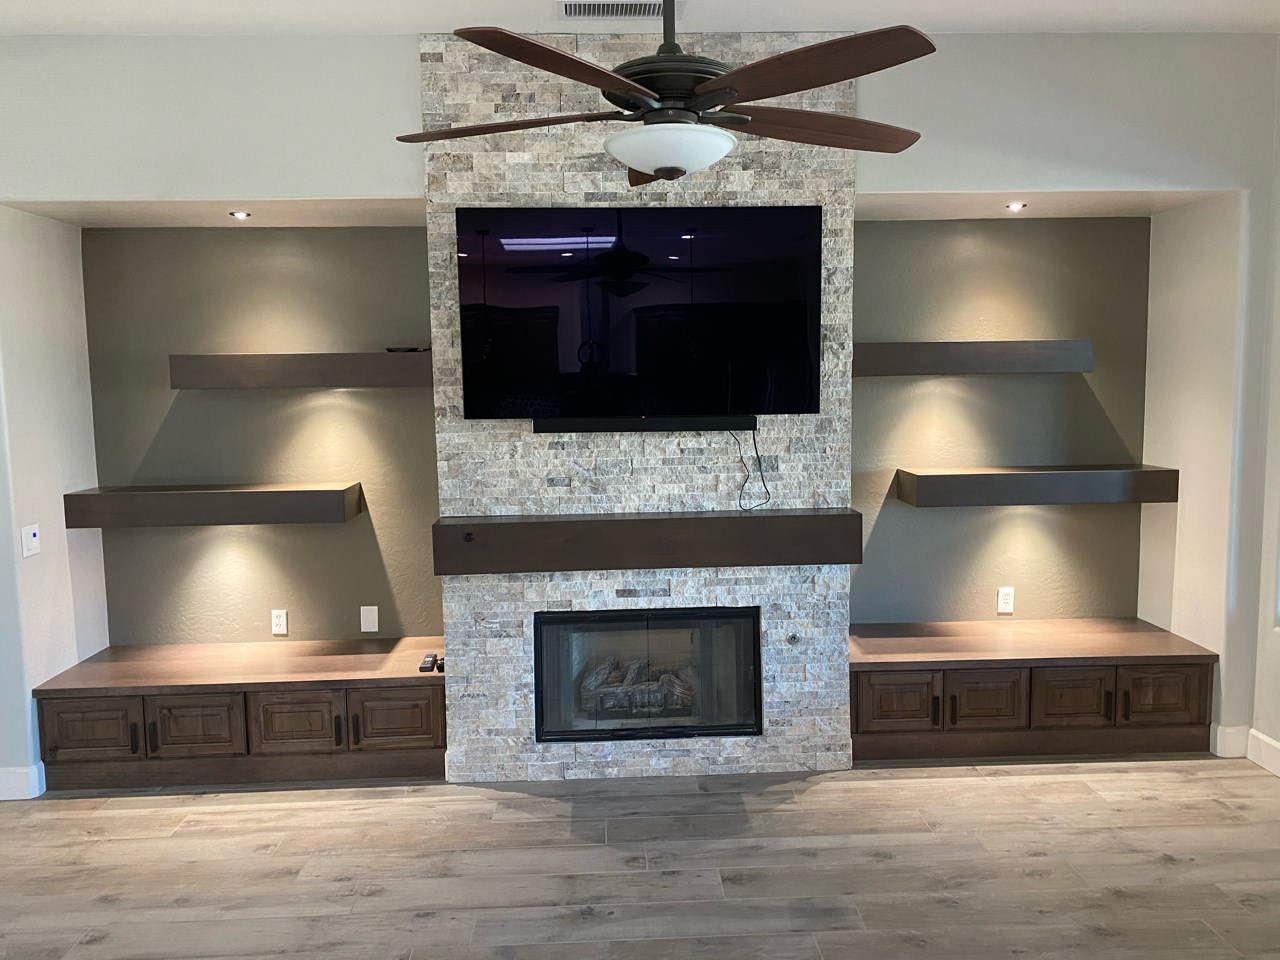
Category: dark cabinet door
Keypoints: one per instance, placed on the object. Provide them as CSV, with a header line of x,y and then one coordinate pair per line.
x,y
1073,697
392,718
899,701
1163,696
297,721
105,728
987,699
203,725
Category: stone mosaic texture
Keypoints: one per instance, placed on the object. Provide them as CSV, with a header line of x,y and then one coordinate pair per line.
x,y
502,467
488,625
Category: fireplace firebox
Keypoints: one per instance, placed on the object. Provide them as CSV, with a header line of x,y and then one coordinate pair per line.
x,y
647,674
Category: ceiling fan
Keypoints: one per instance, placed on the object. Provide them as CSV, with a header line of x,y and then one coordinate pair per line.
x,y
683,101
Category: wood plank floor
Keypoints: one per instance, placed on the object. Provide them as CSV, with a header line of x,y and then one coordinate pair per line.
x,y
1140,860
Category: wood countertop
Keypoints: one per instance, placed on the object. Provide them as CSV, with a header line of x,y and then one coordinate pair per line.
x,y
231,667
1017,643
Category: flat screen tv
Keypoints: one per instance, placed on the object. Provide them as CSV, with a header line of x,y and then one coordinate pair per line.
x,y
639,312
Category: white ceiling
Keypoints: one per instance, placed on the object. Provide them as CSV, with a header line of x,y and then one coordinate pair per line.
x,y
200,17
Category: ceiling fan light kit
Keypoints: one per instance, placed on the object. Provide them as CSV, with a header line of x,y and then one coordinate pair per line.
x,y
670,150
682,100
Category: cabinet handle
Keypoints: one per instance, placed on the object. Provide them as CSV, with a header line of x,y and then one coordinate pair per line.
x,y
153,737
355,730
955,709
337,730
935,715
1110,708
133,738
1126,704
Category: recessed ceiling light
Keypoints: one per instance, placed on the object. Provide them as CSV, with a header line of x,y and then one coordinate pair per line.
x,y
1015,207
673,258
462,254
566,254
686,236
241,214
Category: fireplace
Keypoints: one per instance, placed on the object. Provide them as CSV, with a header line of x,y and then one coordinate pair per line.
x,y
647,674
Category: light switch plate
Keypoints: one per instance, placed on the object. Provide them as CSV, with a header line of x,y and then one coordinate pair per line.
x,y
368,619
30,540
279,623
1004,601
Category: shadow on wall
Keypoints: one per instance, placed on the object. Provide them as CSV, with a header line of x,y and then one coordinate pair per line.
x,y
198,584
946,563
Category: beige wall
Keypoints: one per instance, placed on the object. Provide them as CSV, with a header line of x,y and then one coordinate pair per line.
x,y
53,604
998,279
1195,338
154,292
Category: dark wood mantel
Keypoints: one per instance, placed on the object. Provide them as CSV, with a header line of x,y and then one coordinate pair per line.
x,y
646,541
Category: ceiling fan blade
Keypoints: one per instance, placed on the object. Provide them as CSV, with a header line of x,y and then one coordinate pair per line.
x,y
637,179
548,58
479,129
824,129
823,63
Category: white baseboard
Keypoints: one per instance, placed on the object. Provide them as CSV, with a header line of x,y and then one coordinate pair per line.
x,y
21,783
1264,751
1229,741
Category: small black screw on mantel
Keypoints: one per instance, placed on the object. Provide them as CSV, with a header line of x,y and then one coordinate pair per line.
x,y
468,537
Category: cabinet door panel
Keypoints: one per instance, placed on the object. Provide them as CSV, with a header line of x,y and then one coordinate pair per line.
x,y
1073,697
391,718
105,728
205,725
899,701
1163,695
297,721
987,699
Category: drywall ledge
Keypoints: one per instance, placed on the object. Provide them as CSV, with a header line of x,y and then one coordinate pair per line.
x,y
248,371
646,541
969,357
210,505
1015,486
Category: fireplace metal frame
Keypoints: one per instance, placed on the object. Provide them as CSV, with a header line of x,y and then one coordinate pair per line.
x,y
656,732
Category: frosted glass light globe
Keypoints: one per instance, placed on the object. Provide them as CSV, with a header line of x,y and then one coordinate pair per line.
x,y
683,146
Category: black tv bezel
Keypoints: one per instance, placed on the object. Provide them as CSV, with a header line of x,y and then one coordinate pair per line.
x,y
667,423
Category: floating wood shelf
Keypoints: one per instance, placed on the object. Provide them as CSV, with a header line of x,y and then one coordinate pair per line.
x,y
1012,486
638,541
247,371
208,505
961,357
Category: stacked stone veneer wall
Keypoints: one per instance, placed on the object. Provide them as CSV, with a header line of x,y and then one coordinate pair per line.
x,y
502,467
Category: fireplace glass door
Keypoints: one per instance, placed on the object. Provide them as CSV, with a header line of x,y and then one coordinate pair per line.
x,y
643,674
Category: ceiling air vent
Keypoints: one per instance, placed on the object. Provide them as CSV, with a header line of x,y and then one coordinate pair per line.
x,y
613,10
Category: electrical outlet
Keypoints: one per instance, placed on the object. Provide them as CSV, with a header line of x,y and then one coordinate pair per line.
x,y
1004,601
30,540
279,623
368,619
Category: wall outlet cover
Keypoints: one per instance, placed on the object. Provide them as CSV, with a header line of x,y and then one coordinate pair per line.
x,y
1004,601
368,619
279,623
30,540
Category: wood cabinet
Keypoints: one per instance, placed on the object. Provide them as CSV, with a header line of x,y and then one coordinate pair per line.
x,y
105,728
393,718
986,699
195,725
1163,695
297,721
900,702
1073,697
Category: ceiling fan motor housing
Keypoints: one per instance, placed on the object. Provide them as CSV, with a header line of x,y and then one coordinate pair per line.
x,y
672,76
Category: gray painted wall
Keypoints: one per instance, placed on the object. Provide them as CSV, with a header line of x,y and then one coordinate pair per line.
x,y
999,279
154,292
150,293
